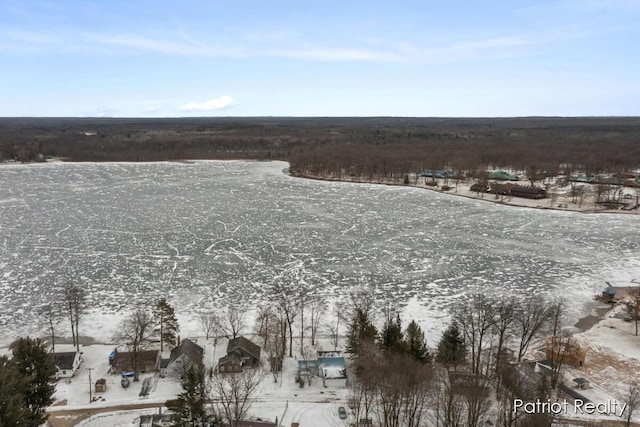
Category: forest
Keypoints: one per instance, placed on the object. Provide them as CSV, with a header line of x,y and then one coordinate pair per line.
x,y
375,148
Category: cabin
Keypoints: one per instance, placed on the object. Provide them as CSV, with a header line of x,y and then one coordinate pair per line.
x,y
67,363
184,356
148,361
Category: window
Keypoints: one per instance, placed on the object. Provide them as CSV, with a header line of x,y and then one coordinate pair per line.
x,y
64,372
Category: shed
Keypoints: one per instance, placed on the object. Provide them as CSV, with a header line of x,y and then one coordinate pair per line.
x,y
581,383
608,295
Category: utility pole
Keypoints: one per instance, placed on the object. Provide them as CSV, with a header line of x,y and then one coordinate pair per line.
x,y
90,369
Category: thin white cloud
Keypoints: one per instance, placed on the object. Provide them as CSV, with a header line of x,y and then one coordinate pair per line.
x,y
374,51
210,105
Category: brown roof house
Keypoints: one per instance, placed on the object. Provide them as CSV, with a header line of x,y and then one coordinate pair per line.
x,y
67,363
248,352
148,361
186,355
230,364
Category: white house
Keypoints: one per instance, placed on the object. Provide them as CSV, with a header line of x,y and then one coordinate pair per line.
x,y
184,356
67,363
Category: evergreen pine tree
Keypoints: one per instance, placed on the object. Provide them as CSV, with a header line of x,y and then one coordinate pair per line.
x,y
12,402
416,344
167,327
190,408
451,348
37,371
360,330
391,337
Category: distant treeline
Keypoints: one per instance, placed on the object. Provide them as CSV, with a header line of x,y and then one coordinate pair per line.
x,y
375,148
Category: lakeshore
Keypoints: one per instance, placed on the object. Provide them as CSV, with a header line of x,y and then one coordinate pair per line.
x,y
560,196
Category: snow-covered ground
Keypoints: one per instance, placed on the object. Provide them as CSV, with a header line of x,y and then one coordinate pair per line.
x,y
202,234
205,233
284,399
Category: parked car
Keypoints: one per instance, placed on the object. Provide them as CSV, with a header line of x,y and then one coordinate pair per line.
x,y
342,413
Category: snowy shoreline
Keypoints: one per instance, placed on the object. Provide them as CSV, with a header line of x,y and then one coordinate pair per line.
x,y
565,202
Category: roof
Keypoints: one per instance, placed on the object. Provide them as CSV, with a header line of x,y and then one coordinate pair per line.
x,y
572,393
334,373
547,363
164,363
64,361
229,358
256,423
190,349
331,362
125,357
304,365
330,353
244,344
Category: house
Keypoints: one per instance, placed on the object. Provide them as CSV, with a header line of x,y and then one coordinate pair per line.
x,y
157,420
248,352
565,351
182,357
544,367
468,384
148,361
255,423
502,176
231,363
67,363
306,367
332,368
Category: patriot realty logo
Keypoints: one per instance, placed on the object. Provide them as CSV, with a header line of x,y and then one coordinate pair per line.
x,y
608,407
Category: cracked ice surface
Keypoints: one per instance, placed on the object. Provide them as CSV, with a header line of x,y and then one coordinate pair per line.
x,y
200,233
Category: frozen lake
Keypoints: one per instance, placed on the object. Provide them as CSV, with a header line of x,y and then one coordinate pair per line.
x,y
200,233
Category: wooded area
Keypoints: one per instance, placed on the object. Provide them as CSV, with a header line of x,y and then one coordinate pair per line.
x,y
367,148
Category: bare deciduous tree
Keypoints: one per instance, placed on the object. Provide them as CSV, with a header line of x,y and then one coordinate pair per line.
x,y
135,332
632,399
529,320
74,302
232,321
475,319
449,405
208,322
52,319
234,394
503,324
318,307
557,308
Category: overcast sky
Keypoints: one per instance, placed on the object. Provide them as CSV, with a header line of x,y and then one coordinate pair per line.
x,y
159,58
